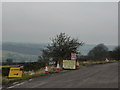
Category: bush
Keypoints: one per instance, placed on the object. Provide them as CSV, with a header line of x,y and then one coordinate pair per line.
x,y
33,66
5,71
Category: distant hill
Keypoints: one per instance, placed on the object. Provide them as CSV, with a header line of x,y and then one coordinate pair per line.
x,y
24,48
30,52
18,57
87,47
21,51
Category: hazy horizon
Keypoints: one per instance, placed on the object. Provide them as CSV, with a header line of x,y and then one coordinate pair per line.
x,y
50,43
90,22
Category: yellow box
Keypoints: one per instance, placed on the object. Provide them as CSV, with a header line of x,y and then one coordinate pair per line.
x,y
15,72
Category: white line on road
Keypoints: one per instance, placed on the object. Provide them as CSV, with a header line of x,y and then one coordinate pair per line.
x,y
16,85
30,79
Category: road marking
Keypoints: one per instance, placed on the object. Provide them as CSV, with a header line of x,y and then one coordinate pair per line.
x,y
21,83
11,87
30,79
15,82
16,85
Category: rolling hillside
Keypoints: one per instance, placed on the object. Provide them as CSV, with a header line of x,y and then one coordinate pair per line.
x,y
24,48
18,57
30,52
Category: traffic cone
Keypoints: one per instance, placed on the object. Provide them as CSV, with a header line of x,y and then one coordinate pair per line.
x,y
58,67
77,65
46,68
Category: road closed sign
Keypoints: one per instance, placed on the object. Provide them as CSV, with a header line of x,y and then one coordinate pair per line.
x,y
15,72
69,64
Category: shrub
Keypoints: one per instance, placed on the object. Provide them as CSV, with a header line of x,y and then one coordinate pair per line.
x,y
33,66
5,71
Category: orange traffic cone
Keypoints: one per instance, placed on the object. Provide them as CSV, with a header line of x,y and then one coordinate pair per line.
x,y
77,65
58,67
46,68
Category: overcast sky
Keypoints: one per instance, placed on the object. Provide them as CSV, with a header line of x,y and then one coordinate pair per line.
x,y
92,23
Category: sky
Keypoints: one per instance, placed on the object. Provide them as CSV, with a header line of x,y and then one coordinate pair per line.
x,y
60,0
37,22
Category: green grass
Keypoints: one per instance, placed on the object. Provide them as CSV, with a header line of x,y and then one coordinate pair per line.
x,y
17,56
7,66
86,63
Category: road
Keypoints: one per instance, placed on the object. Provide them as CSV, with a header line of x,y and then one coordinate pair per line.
x,y
95,76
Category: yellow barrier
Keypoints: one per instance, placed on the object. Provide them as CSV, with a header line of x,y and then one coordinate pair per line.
x,y
15,72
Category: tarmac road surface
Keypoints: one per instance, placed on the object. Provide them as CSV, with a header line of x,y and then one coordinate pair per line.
x,y
95,76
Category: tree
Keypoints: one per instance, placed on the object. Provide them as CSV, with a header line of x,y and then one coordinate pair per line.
x,y
115,54
98,52
61,47
40,59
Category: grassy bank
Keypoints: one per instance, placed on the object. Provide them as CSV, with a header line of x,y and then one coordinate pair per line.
x,y
28,75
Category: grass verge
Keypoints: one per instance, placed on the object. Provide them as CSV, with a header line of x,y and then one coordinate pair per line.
x,y
87,63
27,75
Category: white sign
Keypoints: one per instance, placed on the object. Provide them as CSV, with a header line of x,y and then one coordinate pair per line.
x,y
69,64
